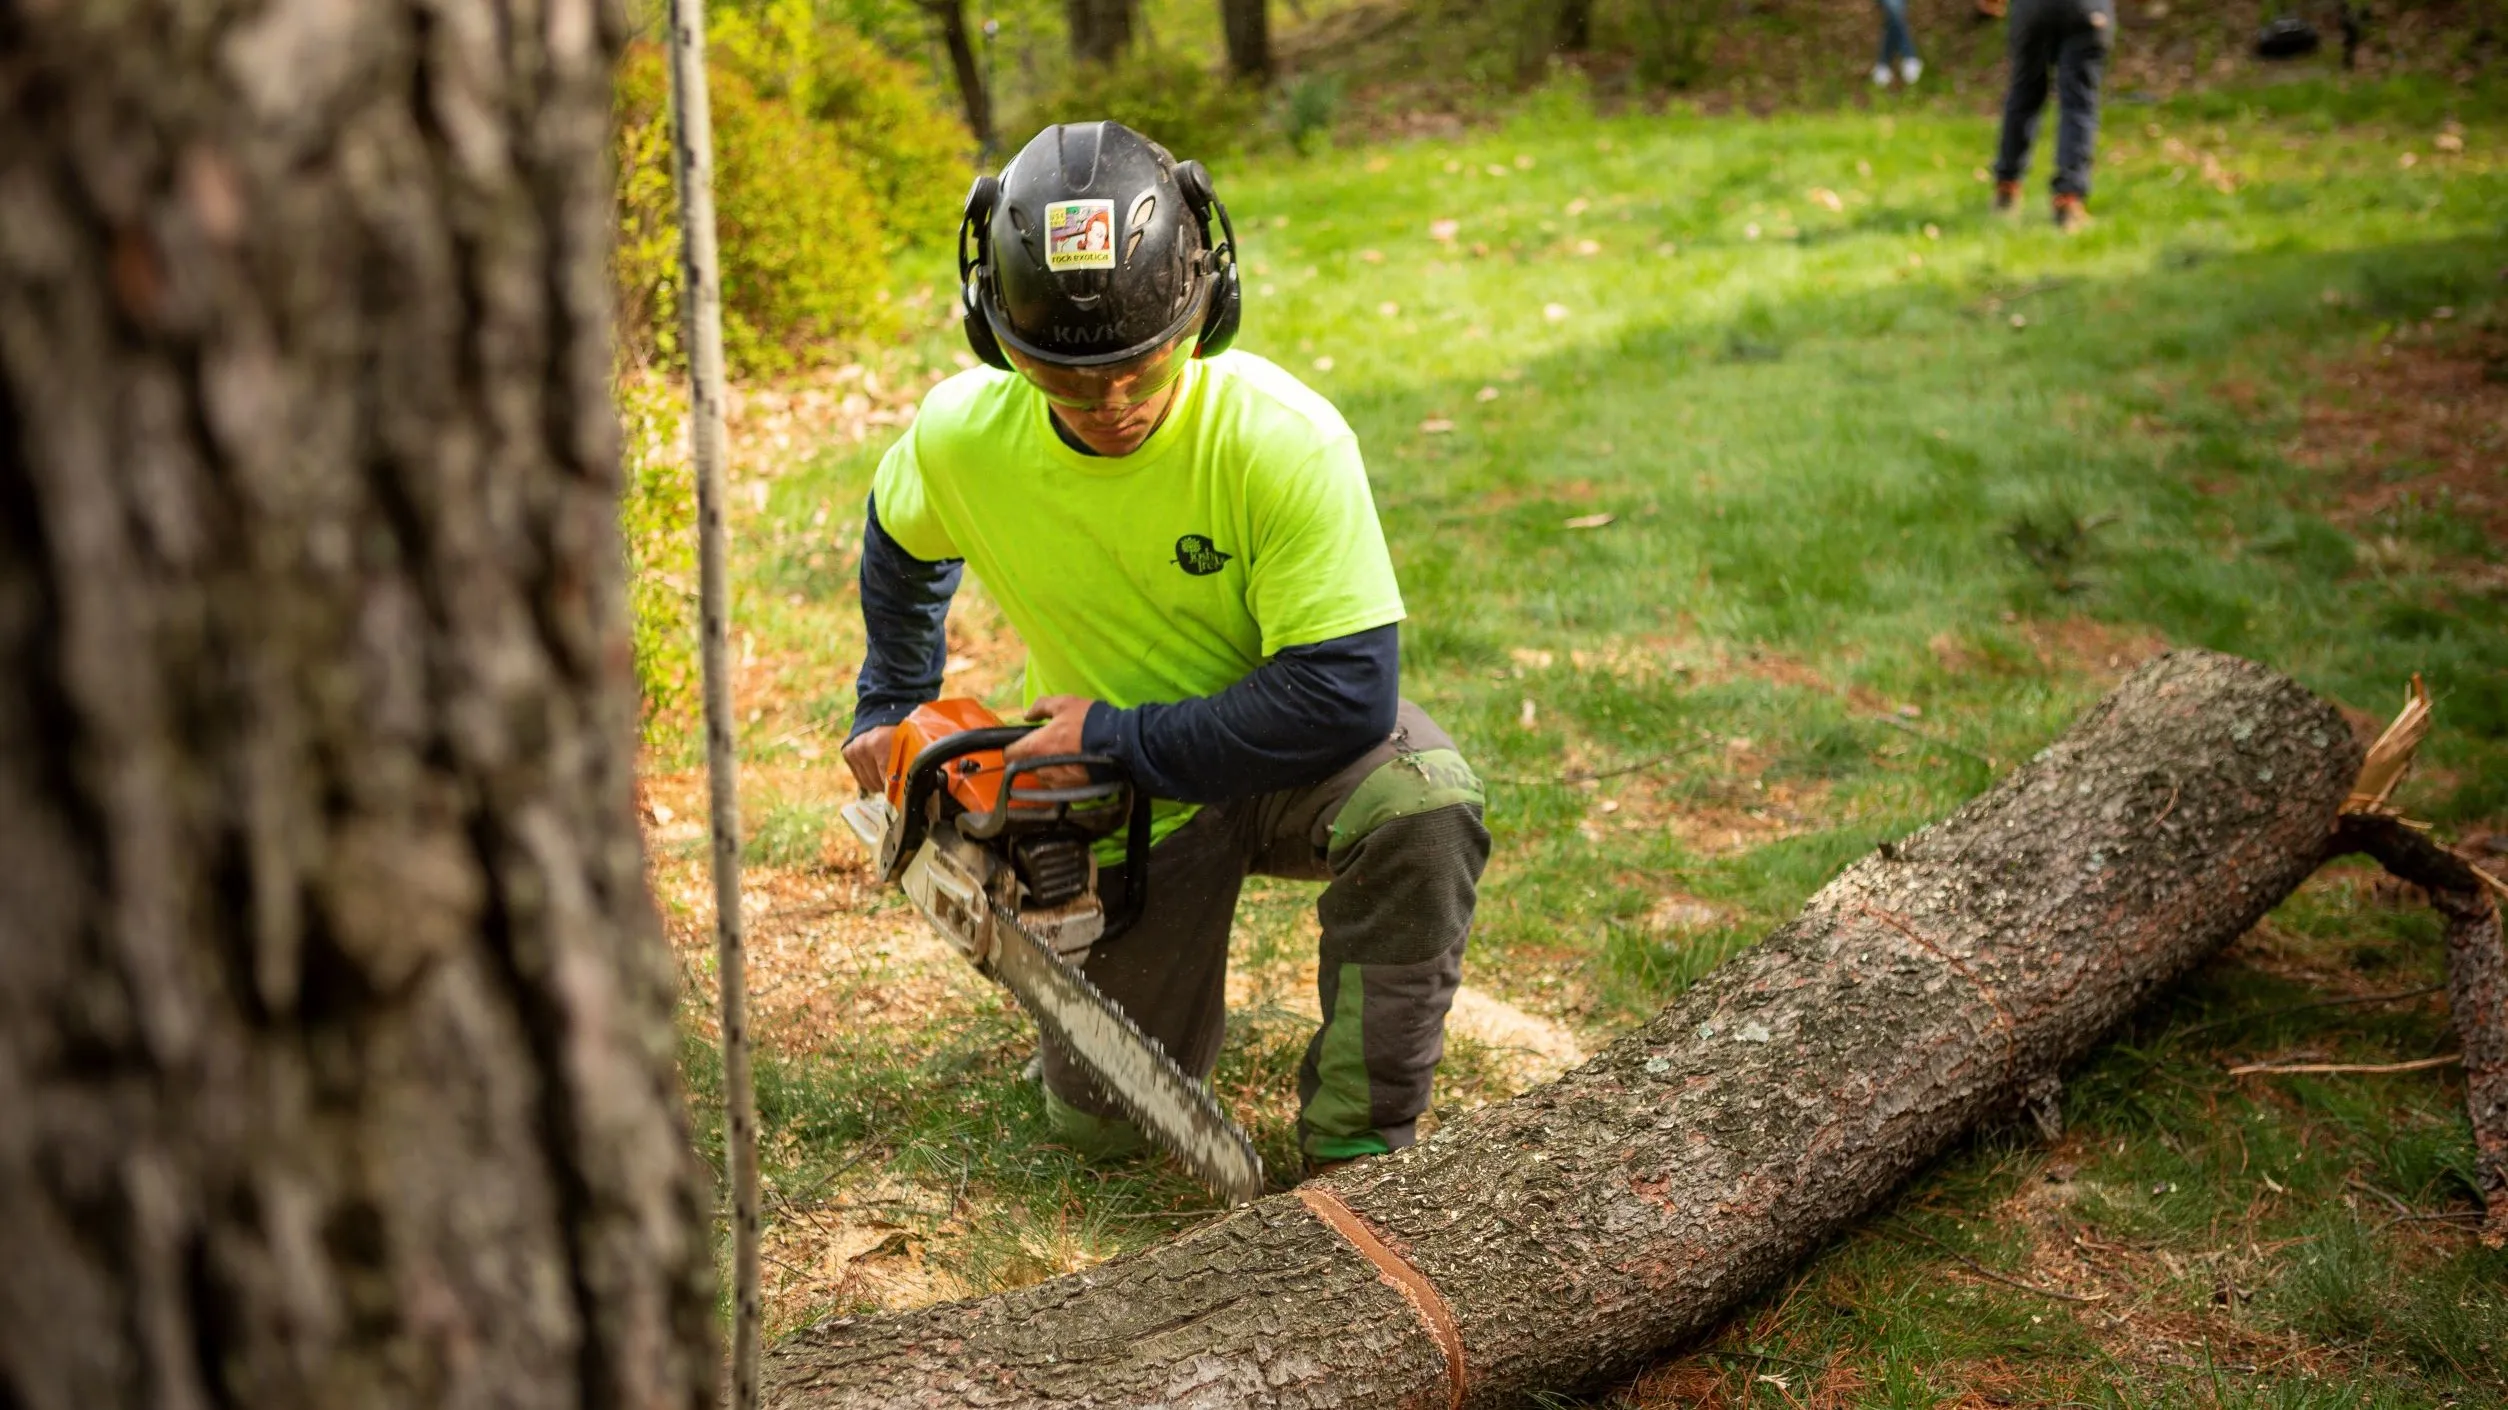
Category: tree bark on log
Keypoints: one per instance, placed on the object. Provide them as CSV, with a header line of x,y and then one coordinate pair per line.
x,y
1564,1238
336,1054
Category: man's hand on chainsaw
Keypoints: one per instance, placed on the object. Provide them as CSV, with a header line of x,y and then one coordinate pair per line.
x,y
867,755
1064,715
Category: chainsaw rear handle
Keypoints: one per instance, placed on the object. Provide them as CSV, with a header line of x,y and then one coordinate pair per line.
x,y
926,778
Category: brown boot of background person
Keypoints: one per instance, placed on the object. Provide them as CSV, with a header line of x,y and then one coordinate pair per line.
x,y
1989,9
2006,195
2071,213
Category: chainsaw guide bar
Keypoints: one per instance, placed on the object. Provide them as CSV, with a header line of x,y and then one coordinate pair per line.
x,y
952,881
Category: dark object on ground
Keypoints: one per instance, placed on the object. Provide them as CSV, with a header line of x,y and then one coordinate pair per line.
x,y
2289,37
1563,1238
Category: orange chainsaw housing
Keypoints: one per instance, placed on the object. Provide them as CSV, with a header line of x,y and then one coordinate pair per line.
x,y
975,781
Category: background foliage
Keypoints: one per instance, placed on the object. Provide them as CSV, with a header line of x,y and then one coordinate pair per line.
x,y
829,157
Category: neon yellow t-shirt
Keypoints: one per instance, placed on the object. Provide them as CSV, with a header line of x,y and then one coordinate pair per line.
x,y
1242,526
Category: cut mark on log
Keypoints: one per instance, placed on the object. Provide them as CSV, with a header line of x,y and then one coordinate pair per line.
x,y
1396,1271
2003,1015
2417,1065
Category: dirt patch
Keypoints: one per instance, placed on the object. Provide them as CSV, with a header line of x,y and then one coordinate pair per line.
x,y
865,1248
2418,426
1529,1049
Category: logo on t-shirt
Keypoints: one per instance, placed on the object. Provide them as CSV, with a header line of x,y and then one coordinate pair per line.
x,y
1196,554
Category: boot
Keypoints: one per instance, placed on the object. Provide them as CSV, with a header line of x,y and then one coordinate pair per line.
x,y
2071,213
2006,195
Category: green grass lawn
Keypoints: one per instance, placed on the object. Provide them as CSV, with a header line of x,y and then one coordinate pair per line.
x,y
1895,487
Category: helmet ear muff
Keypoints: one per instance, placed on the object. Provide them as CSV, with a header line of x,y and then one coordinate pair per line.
x,y
974,267
1227,302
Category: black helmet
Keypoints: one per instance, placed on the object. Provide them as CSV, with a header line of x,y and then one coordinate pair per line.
x,y
1095,247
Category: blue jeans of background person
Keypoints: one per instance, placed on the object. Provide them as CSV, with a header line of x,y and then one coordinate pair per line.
x,y
1897,41
2071,38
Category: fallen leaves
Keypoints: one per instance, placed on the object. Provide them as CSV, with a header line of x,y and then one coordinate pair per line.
x,y
1444,231
1827,199
1435,426
1589,521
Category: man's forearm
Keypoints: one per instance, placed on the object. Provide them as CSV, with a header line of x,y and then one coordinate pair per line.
x,y
905,612
1295,720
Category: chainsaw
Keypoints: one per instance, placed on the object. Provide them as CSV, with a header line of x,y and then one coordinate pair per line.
x,y
1001,858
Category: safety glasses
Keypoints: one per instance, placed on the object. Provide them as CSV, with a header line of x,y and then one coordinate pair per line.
x,y
1116,388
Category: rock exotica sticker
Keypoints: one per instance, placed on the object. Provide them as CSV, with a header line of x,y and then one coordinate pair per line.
x,y
1079,235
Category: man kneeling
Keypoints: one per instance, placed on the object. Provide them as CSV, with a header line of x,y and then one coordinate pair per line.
x,y
1184,538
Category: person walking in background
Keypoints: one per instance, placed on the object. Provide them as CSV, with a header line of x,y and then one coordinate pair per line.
x,y
1898,46
2071,38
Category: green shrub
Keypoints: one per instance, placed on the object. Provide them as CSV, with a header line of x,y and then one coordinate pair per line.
x,y
828,157
802,255
1309,106
1168,98
898,132
1671,40
657,516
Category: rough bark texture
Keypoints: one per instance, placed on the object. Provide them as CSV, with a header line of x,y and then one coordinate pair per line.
x,y
2477,986
1247,27
335,1040
1101,30
1593,1222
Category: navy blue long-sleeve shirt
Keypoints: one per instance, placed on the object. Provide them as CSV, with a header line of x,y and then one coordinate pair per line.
x,y
1293,720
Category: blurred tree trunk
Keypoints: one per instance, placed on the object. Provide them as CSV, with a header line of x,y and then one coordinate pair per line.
x,y
336,1054
972,95
1248,26
1101,30
1576,26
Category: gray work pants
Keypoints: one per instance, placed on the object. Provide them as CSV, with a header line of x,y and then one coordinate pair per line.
x,y
1397,837
2071,38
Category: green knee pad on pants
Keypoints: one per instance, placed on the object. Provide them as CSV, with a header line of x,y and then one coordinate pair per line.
x,y
1094,1137
1406,854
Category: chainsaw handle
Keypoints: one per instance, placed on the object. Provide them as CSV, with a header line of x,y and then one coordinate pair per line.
x,y
923,776
1136,837
1051,805
1136,847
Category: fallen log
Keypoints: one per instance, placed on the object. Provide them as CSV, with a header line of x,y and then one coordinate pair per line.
x,y
1565,1237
